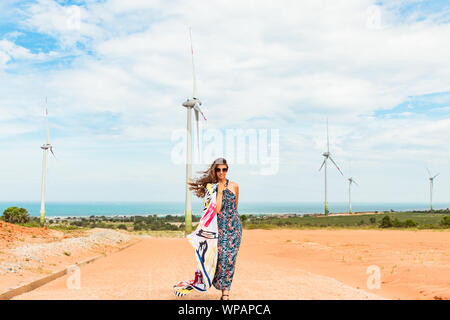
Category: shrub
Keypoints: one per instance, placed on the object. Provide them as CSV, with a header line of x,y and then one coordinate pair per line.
x,y
386,222
16,215
445,221
410,223
372,220
396,223
122,226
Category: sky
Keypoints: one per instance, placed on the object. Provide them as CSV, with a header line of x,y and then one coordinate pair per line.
x,y
115,74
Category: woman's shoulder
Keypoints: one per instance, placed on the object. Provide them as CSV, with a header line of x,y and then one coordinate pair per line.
x,y
233,184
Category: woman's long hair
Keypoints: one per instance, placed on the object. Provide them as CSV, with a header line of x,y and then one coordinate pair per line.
x,y
209,176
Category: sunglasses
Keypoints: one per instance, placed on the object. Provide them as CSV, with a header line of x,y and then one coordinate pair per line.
x,y
221,169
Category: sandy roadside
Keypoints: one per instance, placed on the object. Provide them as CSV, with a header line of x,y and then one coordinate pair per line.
x,y
277,264
412,264
28,254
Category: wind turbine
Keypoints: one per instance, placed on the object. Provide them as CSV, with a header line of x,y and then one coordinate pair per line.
x,y
327,156
45,149
431,188
350,181
190,104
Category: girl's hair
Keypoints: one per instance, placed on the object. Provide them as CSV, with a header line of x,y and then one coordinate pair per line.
x,y
209,176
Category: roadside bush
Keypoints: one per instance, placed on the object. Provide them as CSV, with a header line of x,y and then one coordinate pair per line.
x,y
16,215
410,223
122,226
386,222
373,220
445,221
396,223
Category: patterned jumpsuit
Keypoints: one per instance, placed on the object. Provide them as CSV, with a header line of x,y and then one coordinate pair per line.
x,y
229,240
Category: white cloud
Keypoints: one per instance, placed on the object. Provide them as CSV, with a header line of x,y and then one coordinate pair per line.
x,y
292,62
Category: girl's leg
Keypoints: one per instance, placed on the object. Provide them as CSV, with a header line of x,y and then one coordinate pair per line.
x,y
225,294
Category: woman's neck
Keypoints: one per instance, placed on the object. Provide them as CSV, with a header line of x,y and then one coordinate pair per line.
x,y
223,180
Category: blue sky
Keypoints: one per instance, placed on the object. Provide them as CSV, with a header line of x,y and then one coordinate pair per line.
x,y
116,72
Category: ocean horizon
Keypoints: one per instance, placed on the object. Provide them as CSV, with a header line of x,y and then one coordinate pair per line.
x,y
86,209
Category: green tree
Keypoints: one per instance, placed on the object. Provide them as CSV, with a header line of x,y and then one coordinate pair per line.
x,y
243,218
445,221
16,215
409,223
386,222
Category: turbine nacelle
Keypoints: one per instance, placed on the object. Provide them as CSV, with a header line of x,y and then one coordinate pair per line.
x,y
326,154
190,103
432,178
48,146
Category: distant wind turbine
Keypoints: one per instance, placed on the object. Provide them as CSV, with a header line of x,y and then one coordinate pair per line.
x,y
190,104
431,188
350,181
327,156
45,148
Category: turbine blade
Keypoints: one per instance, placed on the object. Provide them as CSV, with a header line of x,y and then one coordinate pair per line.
x,y
436,175
355,182
46,120
336,165
429,173
322,164
328,139
51,150
197,108
196,122
195,93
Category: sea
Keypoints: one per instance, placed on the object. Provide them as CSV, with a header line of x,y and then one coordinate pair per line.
x,y
86,209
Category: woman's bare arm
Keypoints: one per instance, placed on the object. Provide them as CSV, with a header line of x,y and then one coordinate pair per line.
x,y
237,195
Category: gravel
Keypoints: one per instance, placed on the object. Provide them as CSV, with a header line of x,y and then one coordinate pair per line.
x,y
39,251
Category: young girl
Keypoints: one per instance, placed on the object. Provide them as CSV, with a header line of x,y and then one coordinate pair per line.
x,y
228,222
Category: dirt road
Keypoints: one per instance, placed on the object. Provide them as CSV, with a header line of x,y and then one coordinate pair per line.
x,y
274,264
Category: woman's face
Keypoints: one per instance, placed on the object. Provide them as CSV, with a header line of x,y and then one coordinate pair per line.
x,y
220,171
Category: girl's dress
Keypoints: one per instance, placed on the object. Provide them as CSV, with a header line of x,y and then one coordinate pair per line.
x,y
229,240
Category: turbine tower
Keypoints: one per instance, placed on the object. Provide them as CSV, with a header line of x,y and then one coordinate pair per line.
x,y
190,104
350,181
431,188
327,155
45,149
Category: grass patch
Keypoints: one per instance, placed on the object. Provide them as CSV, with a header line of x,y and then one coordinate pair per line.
x,y
392,220
65,228
161,233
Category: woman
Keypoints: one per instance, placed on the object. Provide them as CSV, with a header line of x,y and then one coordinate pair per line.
x,y
228,222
